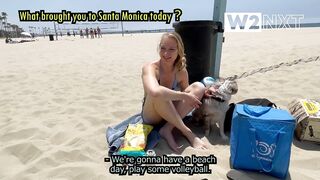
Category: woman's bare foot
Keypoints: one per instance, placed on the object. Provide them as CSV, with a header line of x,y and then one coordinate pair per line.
x,y
166,133
194,140
198,143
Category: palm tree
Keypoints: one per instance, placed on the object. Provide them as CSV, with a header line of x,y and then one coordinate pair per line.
x,y
4,15
0,22
8,29
17,30
14,30
4,20
1,26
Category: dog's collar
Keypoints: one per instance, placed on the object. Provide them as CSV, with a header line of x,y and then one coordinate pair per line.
x,y
217,99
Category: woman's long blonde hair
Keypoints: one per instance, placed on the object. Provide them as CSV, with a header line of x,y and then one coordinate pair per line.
x,y
180,62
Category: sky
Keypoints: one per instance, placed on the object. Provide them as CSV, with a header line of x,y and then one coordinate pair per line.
x,y
191,9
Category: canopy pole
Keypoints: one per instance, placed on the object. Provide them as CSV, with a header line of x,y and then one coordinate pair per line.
x,y
218,15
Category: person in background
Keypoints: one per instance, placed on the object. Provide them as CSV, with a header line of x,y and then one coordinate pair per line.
x,y
99,32
81,33
87,32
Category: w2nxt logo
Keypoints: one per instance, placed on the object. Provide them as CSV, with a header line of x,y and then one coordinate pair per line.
x,y
255,22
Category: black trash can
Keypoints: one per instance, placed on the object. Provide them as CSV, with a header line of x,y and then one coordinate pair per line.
x,y
198,38
51,37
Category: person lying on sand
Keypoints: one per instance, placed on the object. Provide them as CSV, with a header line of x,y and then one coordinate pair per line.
x,y
10,41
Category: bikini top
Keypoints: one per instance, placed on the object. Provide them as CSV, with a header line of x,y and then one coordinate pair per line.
x,y
174,84
174,87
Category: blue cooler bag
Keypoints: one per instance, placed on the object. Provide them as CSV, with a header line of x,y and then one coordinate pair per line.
x,y
261,139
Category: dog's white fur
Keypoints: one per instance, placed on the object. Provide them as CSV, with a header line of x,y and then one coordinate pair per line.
x,y
213,111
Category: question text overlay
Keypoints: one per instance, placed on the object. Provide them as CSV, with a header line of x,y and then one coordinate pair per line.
x,y
101,16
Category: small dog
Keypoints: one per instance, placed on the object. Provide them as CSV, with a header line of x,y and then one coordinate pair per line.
x,y
215,104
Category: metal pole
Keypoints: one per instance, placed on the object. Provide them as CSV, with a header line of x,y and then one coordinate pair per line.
x,y
55,30
218,15
122,27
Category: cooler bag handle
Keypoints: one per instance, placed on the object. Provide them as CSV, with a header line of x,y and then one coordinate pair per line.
x,y
252,135
256,110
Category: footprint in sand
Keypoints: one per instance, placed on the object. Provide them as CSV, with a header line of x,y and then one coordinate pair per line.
x,y
95,97
125,103
58,138
93,120
75,142
70,156
25,152
59,100
40,112
120,114
13,77
19,135
81,127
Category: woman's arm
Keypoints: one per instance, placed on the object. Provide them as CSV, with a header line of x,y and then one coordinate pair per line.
x,y
152,88
183,79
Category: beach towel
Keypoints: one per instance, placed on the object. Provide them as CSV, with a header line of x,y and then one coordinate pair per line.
x,y
115,134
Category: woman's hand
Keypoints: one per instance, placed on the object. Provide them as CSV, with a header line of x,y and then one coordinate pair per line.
x,y
192,100
209,92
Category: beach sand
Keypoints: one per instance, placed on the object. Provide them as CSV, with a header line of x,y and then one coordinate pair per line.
x,y
58,97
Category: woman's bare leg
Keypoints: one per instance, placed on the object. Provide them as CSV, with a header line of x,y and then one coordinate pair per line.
x,y
183,109
173,113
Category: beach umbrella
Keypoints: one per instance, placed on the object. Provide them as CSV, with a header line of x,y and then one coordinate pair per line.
x,y
26,34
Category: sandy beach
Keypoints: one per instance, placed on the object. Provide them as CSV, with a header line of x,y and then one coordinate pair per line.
x,y
58,97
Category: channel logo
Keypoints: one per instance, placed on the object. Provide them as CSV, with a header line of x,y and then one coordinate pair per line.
x,y
255,22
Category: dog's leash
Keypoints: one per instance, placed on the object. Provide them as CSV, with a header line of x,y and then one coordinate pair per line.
x,y
270,68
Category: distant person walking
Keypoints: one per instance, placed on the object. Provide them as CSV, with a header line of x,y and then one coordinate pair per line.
x,y
99,32
87,32
81,34
91,33
95,33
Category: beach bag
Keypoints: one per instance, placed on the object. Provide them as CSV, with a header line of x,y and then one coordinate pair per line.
x,y
252,101
261,139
